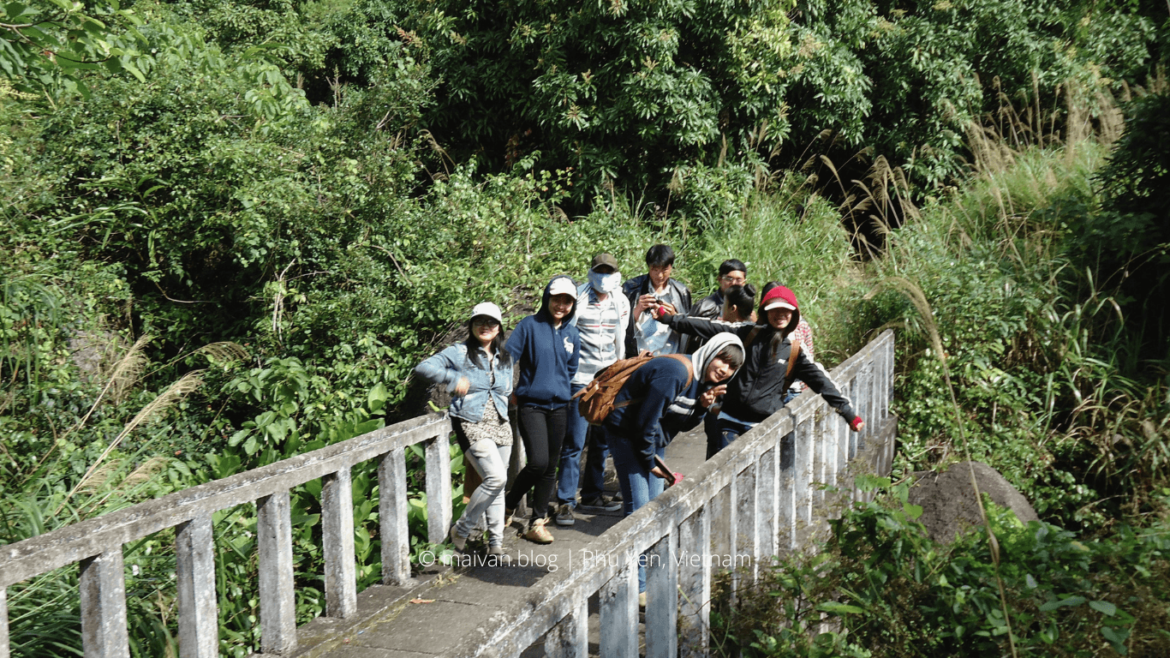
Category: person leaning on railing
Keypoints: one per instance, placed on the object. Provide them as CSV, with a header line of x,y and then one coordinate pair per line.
x,y
658,394
478,373
804,333
759,390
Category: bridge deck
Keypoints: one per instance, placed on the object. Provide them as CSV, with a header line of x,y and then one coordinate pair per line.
x,y
388,625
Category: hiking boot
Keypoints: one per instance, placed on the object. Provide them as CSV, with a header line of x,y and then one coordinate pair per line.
x,y
599,504
498,557
537,533
460,543
565,515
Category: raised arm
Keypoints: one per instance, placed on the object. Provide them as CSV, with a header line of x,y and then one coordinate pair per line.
x,y
703,328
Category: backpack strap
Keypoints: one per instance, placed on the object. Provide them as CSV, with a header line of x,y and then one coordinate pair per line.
x,y
751,337
793,355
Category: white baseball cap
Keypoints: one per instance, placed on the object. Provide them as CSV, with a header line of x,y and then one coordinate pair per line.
x,y
562,285
488,309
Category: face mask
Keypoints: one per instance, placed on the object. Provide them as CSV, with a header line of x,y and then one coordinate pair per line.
x,y
605,283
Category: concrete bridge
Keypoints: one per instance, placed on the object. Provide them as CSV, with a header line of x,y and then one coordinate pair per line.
x,y
757,499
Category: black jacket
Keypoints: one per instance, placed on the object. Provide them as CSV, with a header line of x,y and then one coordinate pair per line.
x,y
640,285
757,390
709,307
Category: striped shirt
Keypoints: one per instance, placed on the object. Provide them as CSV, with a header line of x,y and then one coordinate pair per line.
x,y
597,323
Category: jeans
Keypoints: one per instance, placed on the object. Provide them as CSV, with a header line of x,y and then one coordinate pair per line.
x,y
638,485
721,432
543,431
578,433
491,461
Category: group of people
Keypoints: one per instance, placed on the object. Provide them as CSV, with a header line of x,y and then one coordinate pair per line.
x,y
726,366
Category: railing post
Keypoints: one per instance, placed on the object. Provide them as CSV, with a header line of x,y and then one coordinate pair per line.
x,y
694,541
723,523
570,637
438,488
392,518
4,652
767,488
278,615
337,536
103,606
786,536
747,522
867,389
802,479
662,598
819,461
195,576
619,612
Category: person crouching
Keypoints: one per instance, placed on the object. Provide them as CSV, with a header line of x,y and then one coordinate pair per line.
x,y
656,392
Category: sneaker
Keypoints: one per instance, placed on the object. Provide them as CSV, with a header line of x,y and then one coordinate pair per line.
x,y
641,600
617,497
460,543
538,534
497,555
600,504
565,515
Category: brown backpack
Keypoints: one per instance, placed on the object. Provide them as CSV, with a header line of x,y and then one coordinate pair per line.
x,y
597,399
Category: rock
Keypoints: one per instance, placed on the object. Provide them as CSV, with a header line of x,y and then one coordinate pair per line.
x,y
948,500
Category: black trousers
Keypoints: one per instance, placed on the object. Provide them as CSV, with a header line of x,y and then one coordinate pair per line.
x,y
543,432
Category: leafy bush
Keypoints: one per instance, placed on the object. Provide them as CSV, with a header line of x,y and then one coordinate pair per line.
x,y
881,587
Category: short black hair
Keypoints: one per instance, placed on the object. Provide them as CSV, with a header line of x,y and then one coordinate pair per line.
x,y
659,255
732,265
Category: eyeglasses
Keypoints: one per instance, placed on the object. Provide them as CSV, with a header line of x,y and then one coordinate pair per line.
x,y
735,280
486,322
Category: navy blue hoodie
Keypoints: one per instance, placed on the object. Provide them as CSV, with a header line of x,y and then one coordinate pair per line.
x,y
546,356
661,404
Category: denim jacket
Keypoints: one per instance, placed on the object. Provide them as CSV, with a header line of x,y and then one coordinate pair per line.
x,y
448,366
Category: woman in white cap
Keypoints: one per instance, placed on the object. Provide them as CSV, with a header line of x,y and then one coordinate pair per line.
x,y
478,374
546,349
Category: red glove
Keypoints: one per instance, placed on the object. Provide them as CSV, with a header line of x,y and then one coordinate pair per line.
x,y
856,424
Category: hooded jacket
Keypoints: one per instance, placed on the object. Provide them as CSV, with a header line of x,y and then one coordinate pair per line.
x,y
640,285
758,390
546,356
663,404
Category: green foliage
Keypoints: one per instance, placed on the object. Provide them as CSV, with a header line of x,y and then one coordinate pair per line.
x,y
49,44
881,587
619,91
1125,244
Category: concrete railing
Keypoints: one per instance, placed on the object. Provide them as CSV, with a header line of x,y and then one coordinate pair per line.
x,y
754,500
96,544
